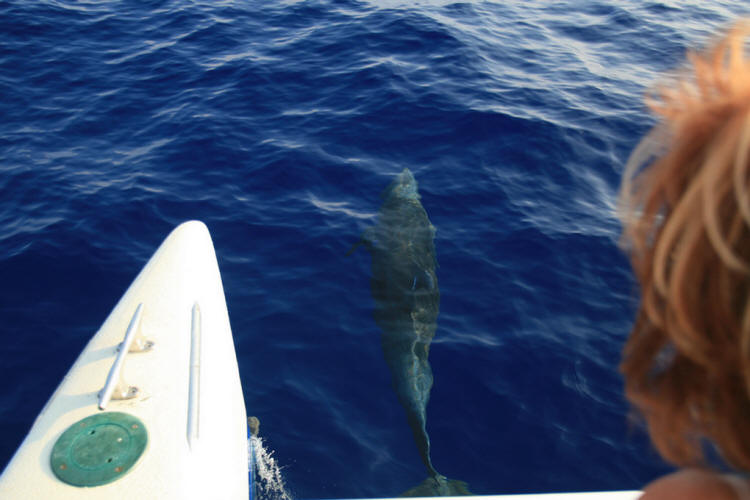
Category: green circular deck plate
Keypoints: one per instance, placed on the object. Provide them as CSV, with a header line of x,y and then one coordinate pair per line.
x,y
99,449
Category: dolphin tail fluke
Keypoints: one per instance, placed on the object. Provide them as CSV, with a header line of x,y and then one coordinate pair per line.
x,y
438,486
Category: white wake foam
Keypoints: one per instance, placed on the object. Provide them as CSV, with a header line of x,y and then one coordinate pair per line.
x,y
268,484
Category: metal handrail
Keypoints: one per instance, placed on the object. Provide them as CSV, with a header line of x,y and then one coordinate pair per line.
x,y
193,416
115,387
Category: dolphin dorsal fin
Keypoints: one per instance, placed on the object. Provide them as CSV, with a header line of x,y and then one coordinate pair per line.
x,y
422,280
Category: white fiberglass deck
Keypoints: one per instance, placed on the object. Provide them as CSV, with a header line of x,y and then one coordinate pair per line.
x,y
191,404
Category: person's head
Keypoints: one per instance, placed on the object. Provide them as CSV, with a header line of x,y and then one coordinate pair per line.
x,y
685,206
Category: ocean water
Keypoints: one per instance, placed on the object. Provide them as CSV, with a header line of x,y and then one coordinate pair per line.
x,y
278,124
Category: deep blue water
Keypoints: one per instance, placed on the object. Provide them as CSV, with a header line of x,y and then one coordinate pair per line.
x,y
278,124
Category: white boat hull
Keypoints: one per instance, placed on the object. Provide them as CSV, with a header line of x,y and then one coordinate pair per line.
x,y
209,461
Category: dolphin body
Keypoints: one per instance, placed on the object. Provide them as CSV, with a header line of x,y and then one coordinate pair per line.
x,y
407,300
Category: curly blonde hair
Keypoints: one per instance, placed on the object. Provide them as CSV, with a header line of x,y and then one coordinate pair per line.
x,y
685,207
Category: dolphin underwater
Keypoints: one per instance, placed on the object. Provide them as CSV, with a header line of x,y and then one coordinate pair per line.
x,y
407,301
